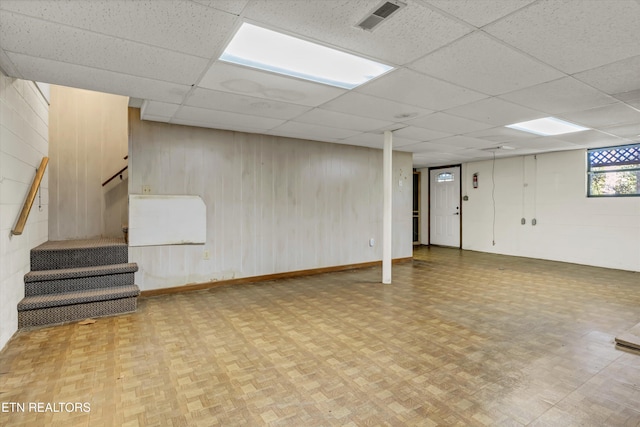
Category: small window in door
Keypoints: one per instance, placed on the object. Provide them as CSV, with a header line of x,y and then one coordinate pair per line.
x,y
444,177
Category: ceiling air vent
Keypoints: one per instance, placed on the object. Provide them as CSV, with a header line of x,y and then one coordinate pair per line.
x,y
379,14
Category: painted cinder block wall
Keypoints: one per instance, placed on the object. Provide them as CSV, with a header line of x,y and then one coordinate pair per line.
x,y
551,188
24,141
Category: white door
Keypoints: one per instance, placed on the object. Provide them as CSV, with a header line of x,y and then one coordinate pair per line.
x,y
444,210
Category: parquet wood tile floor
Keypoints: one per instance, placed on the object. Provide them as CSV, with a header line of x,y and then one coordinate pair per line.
x,y
459,339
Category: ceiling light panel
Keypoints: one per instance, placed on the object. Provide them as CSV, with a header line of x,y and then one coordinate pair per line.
x,y
261,84
547,126
257,47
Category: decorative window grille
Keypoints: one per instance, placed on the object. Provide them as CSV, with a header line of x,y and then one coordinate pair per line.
x,y
444,177
614,171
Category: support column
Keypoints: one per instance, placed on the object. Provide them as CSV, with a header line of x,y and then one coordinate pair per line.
x,y
387,178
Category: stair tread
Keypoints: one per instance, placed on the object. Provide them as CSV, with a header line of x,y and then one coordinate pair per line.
x,y
77,297
69,313
56,245
78,272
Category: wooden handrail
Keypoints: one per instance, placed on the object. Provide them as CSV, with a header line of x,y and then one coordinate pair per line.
x,y
117,173
22,219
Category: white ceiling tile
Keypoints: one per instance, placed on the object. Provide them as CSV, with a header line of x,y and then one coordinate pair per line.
x,y
430,147
413,88
313,132
419,134
202,30
573,35
135,102
152,118
559,96
224,119
591,138
62,73
484,154
443,122
334,119
463,142
231,6
631,98
130,48
398,40
608,115
223,126
374,107
501,134
376,140
495,111
158,109
225,101
261,84
480,63
479,13
618,77
543,144
7,67
631,131
20,34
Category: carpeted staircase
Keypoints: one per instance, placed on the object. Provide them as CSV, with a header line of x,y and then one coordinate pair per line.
x,y
76,279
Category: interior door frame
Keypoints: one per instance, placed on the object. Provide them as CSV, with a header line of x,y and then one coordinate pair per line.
x,y
459,165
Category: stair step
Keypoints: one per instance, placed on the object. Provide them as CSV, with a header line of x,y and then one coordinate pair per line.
x,y
76,279
77,297
56,255
73,273
68,313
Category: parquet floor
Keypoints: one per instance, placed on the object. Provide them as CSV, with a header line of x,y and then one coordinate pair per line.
x,y
459,338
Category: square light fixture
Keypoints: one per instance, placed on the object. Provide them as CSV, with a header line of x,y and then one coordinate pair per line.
x,y
268,50
547,126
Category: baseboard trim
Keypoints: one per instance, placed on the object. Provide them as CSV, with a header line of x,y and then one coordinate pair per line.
x,y
265,277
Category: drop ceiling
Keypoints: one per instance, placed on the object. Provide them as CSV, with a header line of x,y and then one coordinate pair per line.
x,y
463,68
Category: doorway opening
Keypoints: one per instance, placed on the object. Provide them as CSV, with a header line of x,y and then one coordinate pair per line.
x,y
416,207
445,206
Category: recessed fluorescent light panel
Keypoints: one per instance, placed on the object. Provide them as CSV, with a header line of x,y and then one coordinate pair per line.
x,y
547,126
268,50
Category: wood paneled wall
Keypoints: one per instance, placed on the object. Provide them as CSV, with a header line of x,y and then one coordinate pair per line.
x,y
273,204
88,139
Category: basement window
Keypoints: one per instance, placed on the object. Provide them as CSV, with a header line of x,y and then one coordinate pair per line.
x,y
614,171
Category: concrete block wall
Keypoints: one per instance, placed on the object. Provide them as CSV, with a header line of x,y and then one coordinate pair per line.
x,y
24,141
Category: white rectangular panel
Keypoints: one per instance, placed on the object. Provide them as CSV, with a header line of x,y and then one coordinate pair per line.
x,y
166,220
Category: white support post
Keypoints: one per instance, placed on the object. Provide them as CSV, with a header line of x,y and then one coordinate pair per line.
x,y
387,177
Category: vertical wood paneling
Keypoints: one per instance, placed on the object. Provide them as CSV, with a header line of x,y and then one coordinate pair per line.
x,y
88,141
249,172
273,204
267,249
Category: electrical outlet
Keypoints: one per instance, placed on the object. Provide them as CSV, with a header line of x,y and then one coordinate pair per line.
x,y
146,189
372,242
534,221
206,254
523,221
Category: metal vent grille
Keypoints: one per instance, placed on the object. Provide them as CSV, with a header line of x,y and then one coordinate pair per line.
x,y
379,14
386,10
